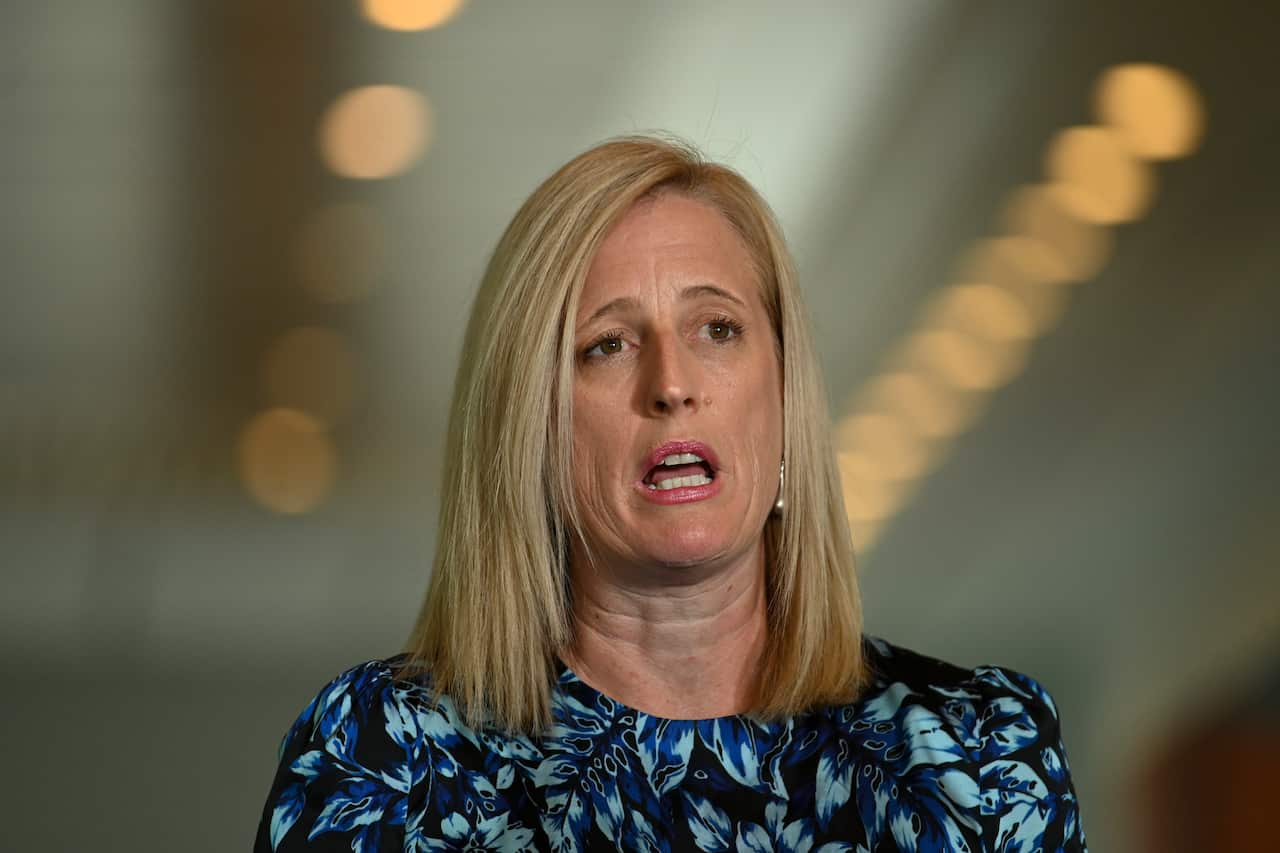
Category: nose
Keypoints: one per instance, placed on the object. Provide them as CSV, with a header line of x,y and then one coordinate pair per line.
x,y
674,382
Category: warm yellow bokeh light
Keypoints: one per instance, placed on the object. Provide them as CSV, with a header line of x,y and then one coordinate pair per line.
x,y
899,453
858,465
871,500
410,15
864,535
982,310
976,335
375,131
311,369
286,460
1095,176
932,409
341,252
995,260
1156,110
1081,247
1025,267
968,363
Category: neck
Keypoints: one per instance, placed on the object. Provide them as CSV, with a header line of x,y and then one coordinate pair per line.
x,y
668,645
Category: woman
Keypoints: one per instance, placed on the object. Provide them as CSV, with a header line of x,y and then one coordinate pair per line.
x,y
642,630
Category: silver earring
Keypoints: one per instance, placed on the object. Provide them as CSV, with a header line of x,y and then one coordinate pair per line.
x,y
782,475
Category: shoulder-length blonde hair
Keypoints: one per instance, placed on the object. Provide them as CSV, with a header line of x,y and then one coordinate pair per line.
x,y
497,611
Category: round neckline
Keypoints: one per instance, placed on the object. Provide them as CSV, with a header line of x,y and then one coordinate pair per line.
x,y
567,678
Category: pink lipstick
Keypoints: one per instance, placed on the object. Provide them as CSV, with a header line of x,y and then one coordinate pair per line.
x,y
678,472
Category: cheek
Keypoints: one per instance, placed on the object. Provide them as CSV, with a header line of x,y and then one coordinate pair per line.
x,y
763,403
598,452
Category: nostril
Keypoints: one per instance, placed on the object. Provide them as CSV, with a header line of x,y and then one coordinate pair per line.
x,y
672,398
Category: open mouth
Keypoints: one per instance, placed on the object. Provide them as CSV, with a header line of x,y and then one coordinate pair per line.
x,y
678,471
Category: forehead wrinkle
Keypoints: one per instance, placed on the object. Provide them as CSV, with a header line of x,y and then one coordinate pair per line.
x,y
699,290
643,248
629,304
620,305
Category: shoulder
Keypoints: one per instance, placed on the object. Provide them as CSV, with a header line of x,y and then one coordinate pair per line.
x,y
932,678
352,758
989,736
350,692
365,713
892,664
989,711
992,709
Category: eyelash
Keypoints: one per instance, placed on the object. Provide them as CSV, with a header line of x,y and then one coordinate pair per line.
x,y
616,334
723,320
612,334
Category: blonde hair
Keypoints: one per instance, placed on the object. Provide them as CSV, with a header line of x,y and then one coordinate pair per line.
x,y
497,610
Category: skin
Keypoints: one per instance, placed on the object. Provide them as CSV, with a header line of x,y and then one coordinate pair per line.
x,y
673,343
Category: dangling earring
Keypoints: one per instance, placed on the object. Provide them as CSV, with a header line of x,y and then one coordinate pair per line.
x,y
782,474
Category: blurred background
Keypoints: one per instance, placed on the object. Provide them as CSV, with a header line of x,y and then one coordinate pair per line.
x,y
1040,242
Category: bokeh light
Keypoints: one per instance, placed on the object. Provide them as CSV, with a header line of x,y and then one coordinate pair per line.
x,y
963,361
375,131
1095,176
286,460
976,334
981,310
341,252
858,465
1081,247
410,15
932,408
311,368
899,453
871,500
1027,268
1155,110
864,534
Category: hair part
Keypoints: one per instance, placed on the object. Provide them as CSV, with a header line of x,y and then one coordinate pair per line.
x,y
498,606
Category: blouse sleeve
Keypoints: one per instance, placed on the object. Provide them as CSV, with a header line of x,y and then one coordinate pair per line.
x,y
347,767
1027,800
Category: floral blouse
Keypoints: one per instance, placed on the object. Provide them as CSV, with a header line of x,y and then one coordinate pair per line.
x,y
931,758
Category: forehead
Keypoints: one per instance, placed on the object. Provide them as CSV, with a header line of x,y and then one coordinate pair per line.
x,y
670,240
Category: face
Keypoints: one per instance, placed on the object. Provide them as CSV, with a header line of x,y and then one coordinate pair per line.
x,y
677,419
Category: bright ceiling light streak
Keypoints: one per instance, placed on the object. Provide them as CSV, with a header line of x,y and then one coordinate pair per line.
x,y
982,310
1156,110
1082,248
1095,176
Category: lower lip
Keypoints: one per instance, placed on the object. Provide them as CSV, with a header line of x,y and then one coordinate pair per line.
x,y
681,495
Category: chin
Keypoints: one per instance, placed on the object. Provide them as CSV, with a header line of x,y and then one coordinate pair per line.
x,y
691,548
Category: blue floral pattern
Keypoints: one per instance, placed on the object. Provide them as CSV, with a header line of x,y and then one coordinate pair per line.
x,y
931,758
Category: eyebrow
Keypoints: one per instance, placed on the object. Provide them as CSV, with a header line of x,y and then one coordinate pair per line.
x,y
629,303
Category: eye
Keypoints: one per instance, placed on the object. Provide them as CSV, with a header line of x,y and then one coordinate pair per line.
x,y
722,329
611,343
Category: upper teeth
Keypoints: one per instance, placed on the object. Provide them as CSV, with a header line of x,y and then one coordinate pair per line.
x,y
680,482
682,459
